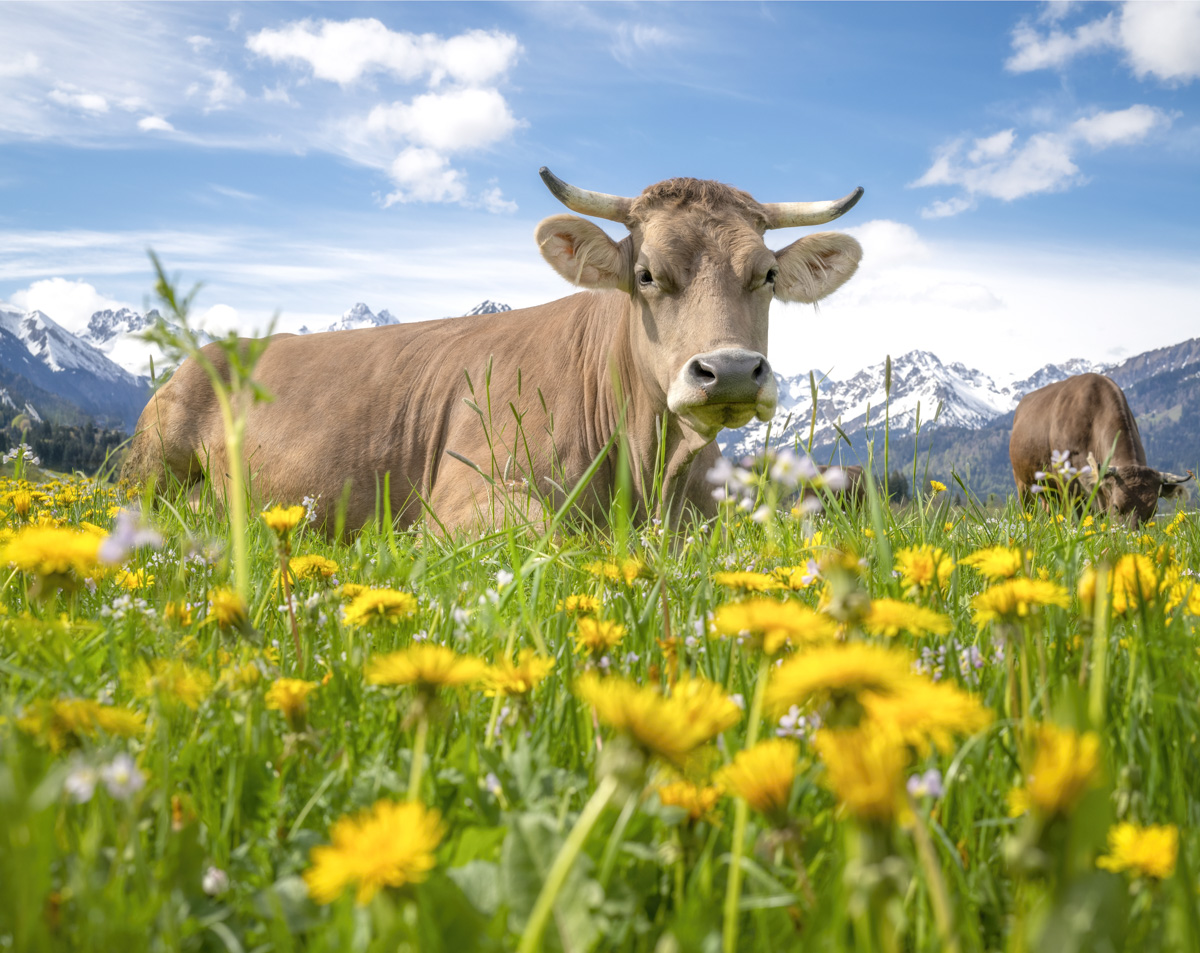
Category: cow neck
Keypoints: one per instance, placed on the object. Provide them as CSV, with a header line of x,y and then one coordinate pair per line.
x,y
645,408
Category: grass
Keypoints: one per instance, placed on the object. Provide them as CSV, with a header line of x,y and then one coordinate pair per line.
x,y
210,852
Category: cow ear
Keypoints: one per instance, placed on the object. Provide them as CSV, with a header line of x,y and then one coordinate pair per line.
x,y
582,253
816,266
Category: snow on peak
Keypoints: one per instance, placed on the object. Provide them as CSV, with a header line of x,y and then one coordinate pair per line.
x,y
488,307
360,316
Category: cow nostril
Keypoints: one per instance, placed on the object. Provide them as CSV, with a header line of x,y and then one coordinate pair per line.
x,y
702,373
759,374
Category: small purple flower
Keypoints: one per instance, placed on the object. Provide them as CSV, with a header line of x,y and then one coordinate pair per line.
x,y
928,784
130,533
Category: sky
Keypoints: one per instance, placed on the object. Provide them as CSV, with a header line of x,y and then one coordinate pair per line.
x,y
1030,169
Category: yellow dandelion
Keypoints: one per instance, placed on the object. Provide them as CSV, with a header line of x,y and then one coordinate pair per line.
x,y
379,605
311,567
172,681
66,722
134,580
507,679
924,567
178,612
864,767
226,609
696,799
763,776
996,562
937,486
390,845
890,617
1134,582
626,571
1066,765
775,624
927,712
290,697
796,577
426,666
1015,598
281,520
240,677
351,590
52,552
748,581
597,635
577,604
672,727
1146,851
838,674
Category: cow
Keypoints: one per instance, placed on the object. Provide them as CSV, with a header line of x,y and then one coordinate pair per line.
x,y
479,419
1066,431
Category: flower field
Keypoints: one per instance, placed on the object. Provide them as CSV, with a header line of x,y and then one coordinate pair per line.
x,y
930,728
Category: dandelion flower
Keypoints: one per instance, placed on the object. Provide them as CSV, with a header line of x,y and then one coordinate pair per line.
x,y
1134,582
426,666
797,577
996,562
66,722
1146,851
775,624
669,727
924,567
390,845
379,605
1065,766
507,679
226,609
837,674
172,681
865,768
290,697
52,552
763,776
926,711
626,571
697,800
890,617
281,520
576,604
1015,598
597,635
937,486
312,567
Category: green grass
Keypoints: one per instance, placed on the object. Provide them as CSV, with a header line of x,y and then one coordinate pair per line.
x,y
230,785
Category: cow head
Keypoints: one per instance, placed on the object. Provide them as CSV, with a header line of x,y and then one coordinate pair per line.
x,y
700,279
1133,491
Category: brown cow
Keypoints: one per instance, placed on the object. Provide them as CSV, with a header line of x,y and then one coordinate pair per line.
x,y
671,335
1062,430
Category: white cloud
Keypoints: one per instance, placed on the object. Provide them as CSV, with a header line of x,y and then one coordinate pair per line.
x,y
631,41
198,43
343,52
448,122
232,193
276,94
155,124
424,175
1158,39
222,91
495,202
70,303
997,166
76,99
25,65
887,243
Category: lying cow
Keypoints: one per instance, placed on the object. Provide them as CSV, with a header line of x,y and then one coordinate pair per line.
x,y
670,338
1088,417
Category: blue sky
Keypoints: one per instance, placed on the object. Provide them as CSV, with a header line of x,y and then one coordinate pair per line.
x,y
1030,169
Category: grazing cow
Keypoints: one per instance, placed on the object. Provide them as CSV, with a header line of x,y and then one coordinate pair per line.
x,y
849,485
477,417
1087,417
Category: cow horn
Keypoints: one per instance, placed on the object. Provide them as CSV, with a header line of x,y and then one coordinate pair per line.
x,y
789,214
1175,480
615,208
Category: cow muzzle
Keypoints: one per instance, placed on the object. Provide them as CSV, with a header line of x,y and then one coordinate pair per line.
x,y
723,388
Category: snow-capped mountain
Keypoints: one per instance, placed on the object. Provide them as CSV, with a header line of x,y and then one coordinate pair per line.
x,y
488,307
957,395
47,356
360,316
104,327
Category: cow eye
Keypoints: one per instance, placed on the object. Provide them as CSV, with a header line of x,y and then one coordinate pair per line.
x,y
771,276
645,278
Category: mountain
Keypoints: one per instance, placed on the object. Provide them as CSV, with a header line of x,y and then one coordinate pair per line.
x,y
360,316
488,307
49,357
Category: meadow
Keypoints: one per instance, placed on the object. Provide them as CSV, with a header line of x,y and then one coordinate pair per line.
x,y
936,727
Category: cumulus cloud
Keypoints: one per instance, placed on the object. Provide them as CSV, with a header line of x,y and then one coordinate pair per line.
x,y
77,99
887,243
70,303
343,52
155,124
423,175
998,166
447,122
1155,39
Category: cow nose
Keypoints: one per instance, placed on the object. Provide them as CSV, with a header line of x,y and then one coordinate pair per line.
x,y
729,376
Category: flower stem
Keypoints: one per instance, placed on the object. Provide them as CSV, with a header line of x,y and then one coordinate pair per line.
x,y
937,884
741,812
287,597
531,939
418,757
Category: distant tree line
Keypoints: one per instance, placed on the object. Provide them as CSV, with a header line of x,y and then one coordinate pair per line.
x,y
64,447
